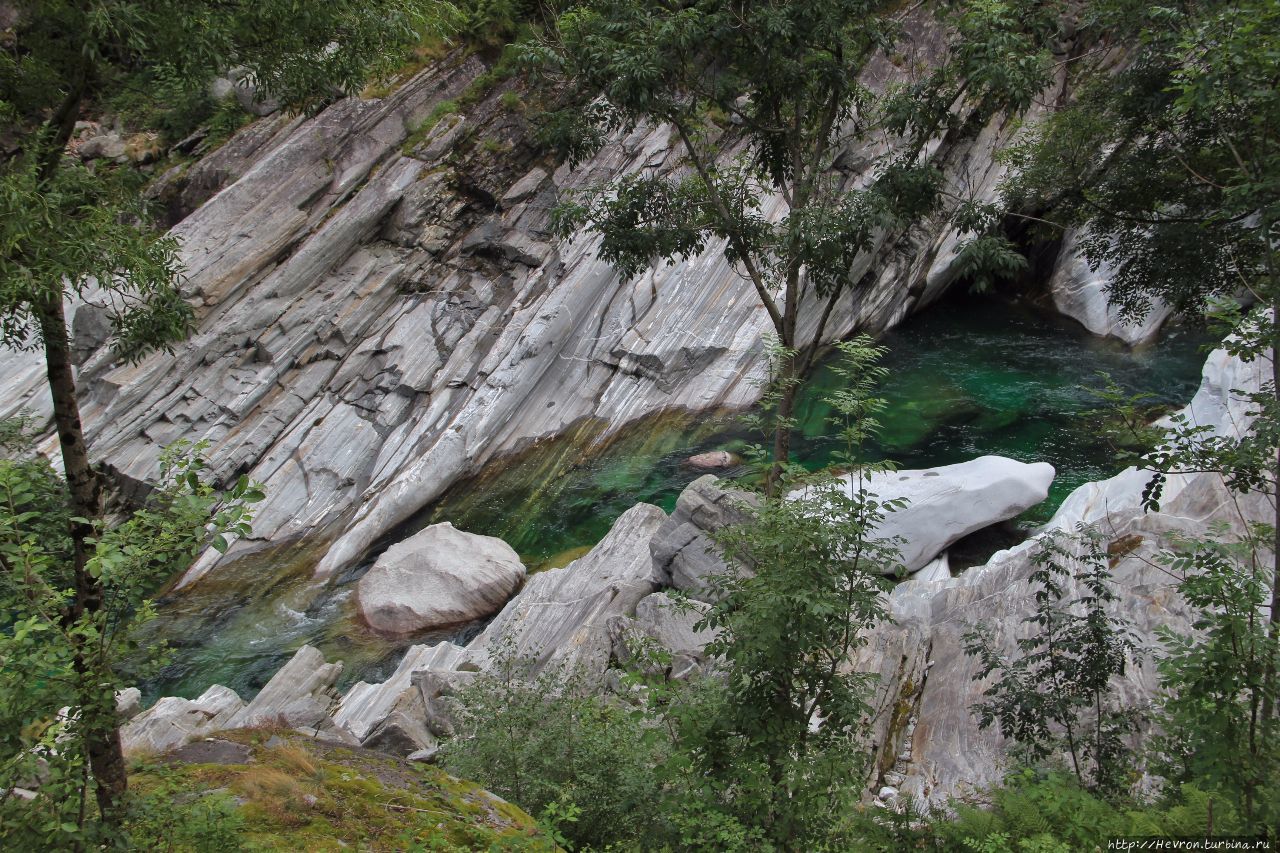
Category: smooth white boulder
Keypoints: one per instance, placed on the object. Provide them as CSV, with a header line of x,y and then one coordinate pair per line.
x,y
947,503
438,577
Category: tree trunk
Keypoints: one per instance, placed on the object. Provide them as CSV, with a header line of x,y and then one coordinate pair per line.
x,y
102,735
1273,618
106,753
782,426
789,372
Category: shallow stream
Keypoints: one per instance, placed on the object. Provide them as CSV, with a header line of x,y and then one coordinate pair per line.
x,y
967,378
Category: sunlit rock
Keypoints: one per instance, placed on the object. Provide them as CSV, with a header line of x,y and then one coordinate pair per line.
x,y
947,503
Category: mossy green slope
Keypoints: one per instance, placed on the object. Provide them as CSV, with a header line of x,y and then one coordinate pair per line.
x,y
278,790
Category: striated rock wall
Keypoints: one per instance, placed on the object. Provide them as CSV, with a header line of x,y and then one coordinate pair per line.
x,y
605,606
382,309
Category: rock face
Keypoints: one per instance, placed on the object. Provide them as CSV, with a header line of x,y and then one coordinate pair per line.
x,y
682,550
172,722
561,616
366,705
299,694
947,503
440,576
662,621
381,313
1081,293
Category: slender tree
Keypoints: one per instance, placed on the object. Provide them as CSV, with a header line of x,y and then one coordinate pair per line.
x,y
785,748
1059,694
764,97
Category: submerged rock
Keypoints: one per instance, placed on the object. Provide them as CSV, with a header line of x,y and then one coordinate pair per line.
x,y
713,460
440,576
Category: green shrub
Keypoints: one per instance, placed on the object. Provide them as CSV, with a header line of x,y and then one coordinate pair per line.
x,y
550,744
169,818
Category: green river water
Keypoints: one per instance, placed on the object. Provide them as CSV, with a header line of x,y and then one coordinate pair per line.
x,y
967,378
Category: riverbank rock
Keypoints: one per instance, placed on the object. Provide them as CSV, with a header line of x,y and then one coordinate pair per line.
x,y
561,616
108,146
931,746
938,569
682,550
172,722
440,576
128,703
947,503
299,694
667,623
366,705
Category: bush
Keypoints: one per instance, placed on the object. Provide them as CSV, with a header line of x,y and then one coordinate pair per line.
x,y
548,744
169,818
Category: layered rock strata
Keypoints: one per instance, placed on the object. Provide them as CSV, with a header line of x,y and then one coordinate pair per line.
x,y
382,308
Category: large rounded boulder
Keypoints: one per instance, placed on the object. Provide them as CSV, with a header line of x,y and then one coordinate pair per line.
x,y
437,578
947,503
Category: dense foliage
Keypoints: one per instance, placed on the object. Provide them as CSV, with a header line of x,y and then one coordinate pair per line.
x,y
63,659
585,764
1059,694
1168,164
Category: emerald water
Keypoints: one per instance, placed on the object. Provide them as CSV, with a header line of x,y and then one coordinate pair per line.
x,y
967,378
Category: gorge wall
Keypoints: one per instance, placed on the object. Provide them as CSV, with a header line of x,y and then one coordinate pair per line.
x,y
382,308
